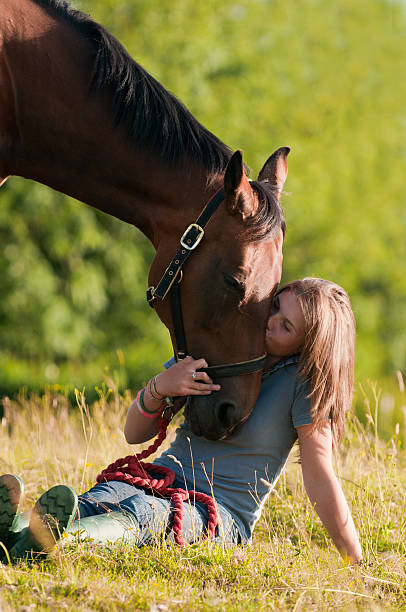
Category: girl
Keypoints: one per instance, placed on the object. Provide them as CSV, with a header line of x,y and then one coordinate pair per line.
x,y
304,394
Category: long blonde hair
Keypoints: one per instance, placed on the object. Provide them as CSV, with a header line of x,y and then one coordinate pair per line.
x,y
327,355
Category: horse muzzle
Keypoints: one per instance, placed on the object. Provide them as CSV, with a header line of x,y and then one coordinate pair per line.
x,y
213,417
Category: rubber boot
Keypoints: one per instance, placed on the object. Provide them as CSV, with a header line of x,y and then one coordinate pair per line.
x,y
52,515
108,528
11,519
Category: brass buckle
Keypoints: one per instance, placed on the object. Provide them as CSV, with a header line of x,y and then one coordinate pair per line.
x,y
198,238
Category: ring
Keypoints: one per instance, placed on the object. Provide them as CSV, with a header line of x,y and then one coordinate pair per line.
x,y
194,375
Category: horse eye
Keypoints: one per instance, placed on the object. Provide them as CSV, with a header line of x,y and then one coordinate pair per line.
x,y
235,284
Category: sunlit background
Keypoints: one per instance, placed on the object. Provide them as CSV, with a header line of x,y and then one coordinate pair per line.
x,y
327,79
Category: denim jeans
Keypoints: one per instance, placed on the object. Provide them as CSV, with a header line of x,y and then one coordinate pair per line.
x,y
154,515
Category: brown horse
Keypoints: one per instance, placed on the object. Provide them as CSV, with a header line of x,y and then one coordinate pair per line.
x,y
78,114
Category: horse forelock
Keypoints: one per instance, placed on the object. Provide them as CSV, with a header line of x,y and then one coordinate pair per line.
x,y
156,120
269,219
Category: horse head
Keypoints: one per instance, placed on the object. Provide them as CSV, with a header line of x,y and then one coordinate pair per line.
x,y
227,290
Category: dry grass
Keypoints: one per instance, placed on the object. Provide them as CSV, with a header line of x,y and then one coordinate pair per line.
x,y
291,565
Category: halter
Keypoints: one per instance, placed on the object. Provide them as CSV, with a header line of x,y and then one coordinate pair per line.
x,y
170,281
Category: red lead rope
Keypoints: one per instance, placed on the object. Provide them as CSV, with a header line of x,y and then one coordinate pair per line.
x,y
133,470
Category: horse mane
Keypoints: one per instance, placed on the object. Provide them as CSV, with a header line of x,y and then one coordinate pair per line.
x,y
269,219
156,119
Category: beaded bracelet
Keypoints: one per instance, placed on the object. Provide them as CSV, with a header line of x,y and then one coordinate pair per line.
x,y
141,407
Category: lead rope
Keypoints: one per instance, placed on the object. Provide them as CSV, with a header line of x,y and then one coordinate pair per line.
x,y
133,470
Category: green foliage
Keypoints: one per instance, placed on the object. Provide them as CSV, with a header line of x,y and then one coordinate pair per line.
x,y
324,78
73,285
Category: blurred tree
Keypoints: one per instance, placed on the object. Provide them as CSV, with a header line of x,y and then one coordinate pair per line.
x,y
73,289
325,78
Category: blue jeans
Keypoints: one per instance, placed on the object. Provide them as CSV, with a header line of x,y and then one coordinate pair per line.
x,y
153,515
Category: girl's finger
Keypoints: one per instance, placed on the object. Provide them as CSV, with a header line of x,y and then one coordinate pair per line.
x,y
200,387
203,377
199,392
200,363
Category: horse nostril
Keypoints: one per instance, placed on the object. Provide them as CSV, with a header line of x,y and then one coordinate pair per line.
x,y
226,413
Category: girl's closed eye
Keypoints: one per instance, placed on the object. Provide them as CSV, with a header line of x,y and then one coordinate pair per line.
x,y
286,327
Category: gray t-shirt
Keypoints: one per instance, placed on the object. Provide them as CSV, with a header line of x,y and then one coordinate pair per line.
x,y
234,470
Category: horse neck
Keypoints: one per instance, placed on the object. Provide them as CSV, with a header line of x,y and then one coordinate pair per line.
x,y
67,138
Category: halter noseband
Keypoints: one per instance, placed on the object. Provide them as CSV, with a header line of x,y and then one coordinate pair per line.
x,y
169,283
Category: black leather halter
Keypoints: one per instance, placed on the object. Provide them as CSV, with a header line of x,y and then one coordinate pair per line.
x,y
169,283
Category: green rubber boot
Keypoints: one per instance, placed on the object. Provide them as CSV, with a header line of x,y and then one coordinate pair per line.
x,y
112,527
11,519
51,516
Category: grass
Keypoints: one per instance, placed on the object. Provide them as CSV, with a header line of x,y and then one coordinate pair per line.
x,y
291,565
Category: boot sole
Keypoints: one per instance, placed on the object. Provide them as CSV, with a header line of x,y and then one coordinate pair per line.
x,y
11,498
52,515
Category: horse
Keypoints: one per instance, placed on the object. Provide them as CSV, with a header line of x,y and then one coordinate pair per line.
x,y
78,114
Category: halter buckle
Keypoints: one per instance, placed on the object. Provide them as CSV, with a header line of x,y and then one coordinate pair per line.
x,y
190,238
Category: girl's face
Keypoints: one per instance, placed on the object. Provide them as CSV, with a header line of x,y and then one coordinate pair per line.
x,y
285,330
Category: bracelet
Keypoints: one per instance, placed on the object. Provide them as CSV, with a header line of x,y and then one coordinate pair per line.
x,y
141,407
154,392
142,404
154,397
154,385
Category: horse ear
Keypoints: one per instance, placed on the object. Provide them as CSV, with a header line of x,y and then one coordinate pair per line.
x,y
237,189
275,169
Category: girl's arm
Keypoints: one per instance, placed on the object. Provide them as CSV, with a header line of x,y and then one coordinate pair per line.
x,y
174,382
324,490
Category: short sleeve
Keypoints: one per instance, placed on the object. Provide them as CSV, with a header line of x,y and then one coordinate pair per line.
x,y
169,363
301,404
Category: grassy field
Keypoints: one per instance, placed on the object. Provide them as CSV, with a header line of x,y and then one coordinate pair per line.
x,y
291,564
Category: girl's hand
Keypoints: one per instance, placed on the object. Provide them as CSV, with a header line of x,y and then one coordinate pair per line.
x,y
183,379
